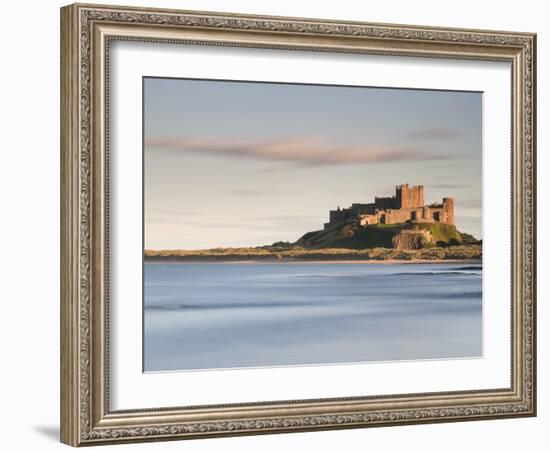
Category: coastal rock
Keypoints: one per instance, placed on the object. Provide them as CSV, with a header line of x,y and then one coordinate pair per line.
x,y
412,239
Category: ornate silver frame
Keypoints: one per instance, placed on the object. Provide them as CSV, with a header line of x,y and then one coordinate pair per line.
x,y
86,32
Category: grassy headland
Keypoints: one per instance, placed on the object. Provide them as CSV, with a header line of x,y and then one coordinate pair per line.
x,y
348,242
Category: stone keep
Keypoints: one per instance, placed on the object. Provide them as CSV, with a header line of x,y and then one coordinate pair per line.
x,y
407,205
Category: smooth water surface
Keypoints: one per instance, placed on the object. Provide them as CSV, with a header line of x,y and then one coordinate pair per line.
x,y
222,315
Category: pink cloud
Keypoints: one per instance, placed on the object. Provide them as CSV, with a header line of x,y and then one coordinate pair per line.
x,y
303,151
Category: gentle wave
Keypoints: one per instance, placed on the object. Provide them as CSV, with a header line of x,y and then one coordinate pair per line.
x,y
477,267
452,295
219,306
455,272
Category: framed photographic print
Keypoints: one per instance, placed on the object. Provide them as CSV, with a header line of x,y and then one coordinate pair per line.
x,y
276,224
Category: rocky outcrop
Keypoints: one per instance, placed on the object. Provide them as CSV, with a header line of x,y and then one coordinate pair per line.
x,y
405,236
411,239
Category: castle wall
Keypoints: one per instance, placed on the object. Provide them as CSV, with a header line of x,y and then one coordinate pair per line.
x,y
363,208
338,215
434,213
384,202
443,213
406,205
402,215
369,219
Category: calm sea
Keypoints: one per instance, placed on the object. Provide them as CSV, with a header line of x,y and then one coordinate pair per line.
x,y
206,316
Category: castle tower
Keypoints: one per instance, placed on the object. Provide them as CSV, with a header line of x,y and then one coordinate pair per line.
x,y
401,195
418,196
449,208
406,197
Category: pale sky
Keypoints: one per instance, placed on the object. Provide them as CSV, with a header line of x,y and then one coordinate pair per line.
x,y
238,164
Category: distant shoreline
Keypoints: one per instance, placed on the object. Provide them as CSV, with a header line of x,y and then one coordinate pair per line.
x,y
476,262
379,255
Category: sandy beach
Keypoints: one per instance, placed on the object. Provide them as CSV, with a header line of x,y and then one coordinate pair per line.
x,y
301,261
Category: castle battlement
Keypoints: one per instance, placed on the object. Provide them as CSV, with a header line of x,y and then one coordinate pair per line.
x,y
406,205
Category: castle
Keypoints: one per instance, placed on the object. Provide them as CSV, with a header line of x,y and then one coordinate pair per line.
x,y
407,205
